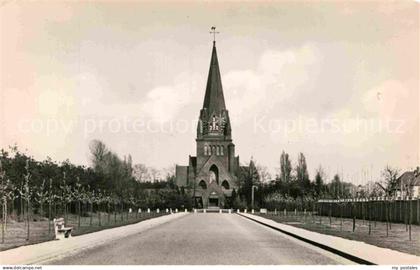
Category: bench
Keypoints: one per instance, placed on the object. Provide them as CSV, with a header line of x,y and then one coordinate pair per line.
x,y
60,230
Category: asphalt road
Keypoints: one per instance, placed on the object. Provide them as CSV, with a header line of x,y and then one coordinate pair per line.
x,y
210,238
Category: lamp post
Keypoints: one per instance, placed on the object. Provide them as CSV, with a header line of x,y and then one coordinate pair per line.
x,y
252,195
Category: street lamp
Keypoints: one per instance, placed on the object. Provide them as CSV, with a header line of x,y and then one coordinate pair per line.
x,y
252,195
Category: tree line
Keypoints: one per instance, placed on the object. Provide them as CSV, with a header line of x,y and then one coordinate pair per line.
x,y
28,186
293,184
115,183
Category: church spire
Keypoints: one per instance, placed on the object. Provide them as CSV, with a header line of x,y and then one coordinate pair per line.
x,y
214,100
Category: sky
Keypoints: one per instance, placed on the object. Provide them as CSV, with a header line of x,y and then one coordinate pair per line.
x,y
335,80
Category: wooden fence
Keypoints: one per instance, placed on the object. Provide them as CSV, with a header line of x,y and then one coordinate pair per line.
x,y
380,209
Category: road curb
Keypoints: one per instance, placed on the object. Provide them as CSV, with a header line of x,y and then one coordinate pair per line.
x,y
306,240
380,256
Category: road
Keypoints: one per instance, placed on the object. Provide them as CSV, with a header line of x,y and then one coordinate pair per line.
x,y
207,239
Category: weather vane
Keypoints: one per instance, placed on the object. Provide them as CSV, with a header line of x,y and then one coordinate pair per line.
x,y
213,31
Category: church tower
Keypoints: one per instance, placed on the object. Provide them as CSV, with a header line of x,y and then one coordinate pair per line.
x,y
212,174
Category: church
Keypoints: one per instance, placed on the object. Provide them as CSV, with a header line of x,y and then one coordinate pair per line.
x,y
213,173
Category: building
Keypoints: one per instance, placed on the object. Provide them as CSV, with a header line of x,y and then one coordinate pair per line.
x,y
213,173
408,184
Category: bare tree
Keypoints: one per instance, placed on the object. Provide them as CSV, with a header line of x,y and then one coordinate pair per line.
x,y
6,191
154,174
374,189
132,201
99,153
26,194
115,201
67,195
389,182
78,196
50,200
42,197
98,199
169,171
140,173
85,198
90,197
265,176
108,200
319,181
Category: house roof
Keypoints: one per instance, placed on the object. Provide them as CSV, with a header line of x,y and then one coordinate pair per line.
x,y
408,178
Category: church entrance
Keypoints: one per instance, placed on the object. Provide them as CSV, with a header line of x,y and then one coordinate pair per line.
x,y
213,202
198,202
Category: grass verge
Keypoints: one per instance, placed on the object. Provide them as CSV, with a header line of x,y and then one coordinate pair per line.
x,y
397,239
16,232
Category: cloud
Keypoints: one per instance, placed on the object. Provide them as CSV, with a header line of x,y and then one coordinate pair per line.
x,y
390,99
163,103
278,76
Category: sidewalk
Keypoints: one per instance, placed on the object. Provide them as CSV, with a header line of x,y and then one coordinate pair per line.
x,y
365,252
40,253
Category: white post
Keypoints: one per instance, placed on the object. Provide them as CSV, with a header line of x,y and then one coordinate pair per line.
x,y
252,211
230,211
186,211
245,210
220,211
204,210
157,210
176,210
148,210
195,211
139,210
55,229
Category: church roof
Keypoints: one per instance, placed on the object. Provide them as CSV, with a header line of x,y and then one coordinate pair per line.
x,y
214,100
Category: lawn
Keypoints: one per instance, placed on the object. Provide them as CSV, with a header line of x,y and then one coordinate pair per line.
x,y
16,232
397,239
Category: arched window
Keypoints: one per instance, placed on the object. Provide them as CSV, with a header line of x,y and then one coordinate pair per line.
x,y
225,184
205,150
221,150
209,151
218,150
213,150
214,174
203,184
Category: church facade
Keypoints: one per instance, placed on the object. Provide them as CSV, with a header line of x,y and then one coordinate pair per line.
x,y
213,173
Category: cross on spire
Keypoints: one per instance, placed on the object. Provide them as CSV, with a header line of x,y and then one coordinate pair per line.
x,y
213,31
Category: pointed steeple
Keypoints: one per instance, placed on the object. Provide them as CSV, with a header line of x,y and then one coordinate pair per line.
x,y
214,100
214,118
